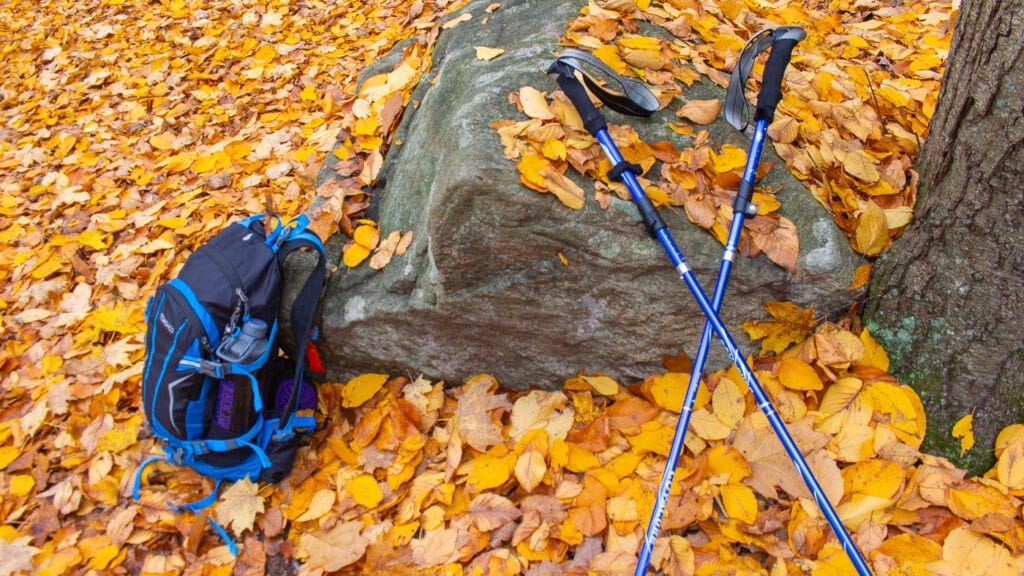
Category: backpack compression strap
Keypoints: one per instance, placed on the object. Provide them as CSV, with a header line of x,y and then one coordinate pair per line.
x,y
635,99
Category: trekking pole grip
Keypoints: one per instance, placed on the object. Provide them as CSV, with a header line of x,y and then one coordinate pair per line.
x,y
593,120
768,99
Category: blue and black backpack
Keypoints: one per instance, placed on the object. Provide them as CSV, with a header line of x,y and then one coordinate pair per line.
x,y
216,388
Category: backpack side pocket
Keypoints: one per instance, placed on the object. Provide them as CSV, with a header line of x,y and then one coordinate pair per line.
x,y
174,393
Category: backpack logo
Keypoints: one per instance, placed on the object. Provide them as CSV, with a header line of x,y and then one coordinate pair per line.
x,y
166,323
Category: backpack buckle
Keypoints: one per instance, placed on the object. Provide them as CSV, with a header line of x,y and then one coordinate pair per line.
x,y
177,457
211,368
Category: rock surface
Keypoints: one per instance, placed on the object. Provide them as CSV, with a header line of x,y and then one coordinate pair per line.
x,y
482,287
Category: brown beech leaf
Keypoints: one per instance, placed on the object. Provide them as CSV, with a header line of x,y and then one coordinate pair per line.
x,y
489,512
700,111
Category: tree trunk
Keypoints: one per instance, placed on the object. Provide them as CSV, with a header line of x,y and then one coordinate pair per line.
x,y
947,300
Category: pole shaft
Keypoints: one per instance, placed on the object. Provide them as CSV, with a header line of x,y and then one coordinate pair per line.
x,y
664,237
690,398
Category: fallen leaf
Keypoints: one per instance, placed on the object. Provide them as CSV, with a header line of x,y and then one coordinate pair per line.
x,y
485,53
365,490
739,502
964,431
488,512
534,103
16,555
700,111
322,503
333,549
789,324
360,389
538,410
238,506
859,164
473,416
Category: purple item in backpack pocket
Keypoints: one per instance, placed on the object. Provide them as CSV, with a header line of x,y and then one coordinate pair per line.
x,y
307,395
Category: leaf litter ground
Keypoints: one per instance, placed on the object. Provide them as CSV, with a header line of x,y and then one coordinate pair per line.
x,y
130,133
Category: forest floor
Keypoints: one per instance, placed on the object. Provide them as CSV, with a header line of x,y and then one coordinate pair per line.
x,y
130,132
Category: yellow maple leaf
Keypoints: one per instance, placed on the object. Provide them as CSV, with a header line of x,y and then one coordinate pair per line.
x,y
548,412
173,222
238,506
707,426
654,437
567,191
972,500
874,354
859,164
204,164
531,167
667,390
308,94
99,551
789,324
609,54
95,239
908,549
8,454
580,459
354,254
874,477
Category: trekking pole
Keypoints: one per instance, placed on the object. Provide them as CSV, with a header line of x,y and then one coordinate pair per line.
x,y
564,70
742,207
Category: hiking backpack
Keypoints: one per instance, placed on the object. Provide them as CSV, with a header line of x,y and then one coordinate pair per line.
x,y
215,388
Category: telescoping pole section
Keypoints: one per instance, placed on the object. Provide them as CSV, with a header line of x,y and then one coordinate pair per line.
x,y
595,123
742,207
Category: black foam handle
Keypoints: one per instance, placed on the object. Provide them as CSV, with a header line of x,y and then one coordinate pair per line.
x,y
771,83
593,120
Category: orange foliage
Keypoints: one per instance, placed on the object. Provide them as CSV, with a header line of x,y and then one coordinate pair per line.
x,y
130,133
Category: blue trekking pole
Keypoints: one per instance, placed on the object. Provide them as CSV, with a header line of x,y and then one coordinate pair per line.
x,y
564,68
742,207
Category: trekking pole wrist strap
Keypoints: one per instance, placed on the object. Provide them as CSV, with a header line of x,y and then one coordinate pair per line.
x,y
781,40
633,97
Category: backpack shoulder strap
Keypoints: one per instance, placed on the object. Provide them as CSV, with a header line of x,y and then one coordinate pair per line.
x,y
304,307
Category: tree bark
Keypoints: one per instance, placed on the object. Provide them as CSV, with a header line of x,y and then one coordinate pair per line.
x,y
947,299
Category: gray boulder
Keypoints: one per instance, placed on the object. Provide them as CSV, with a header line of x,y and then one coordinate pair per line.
x,y
482,287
